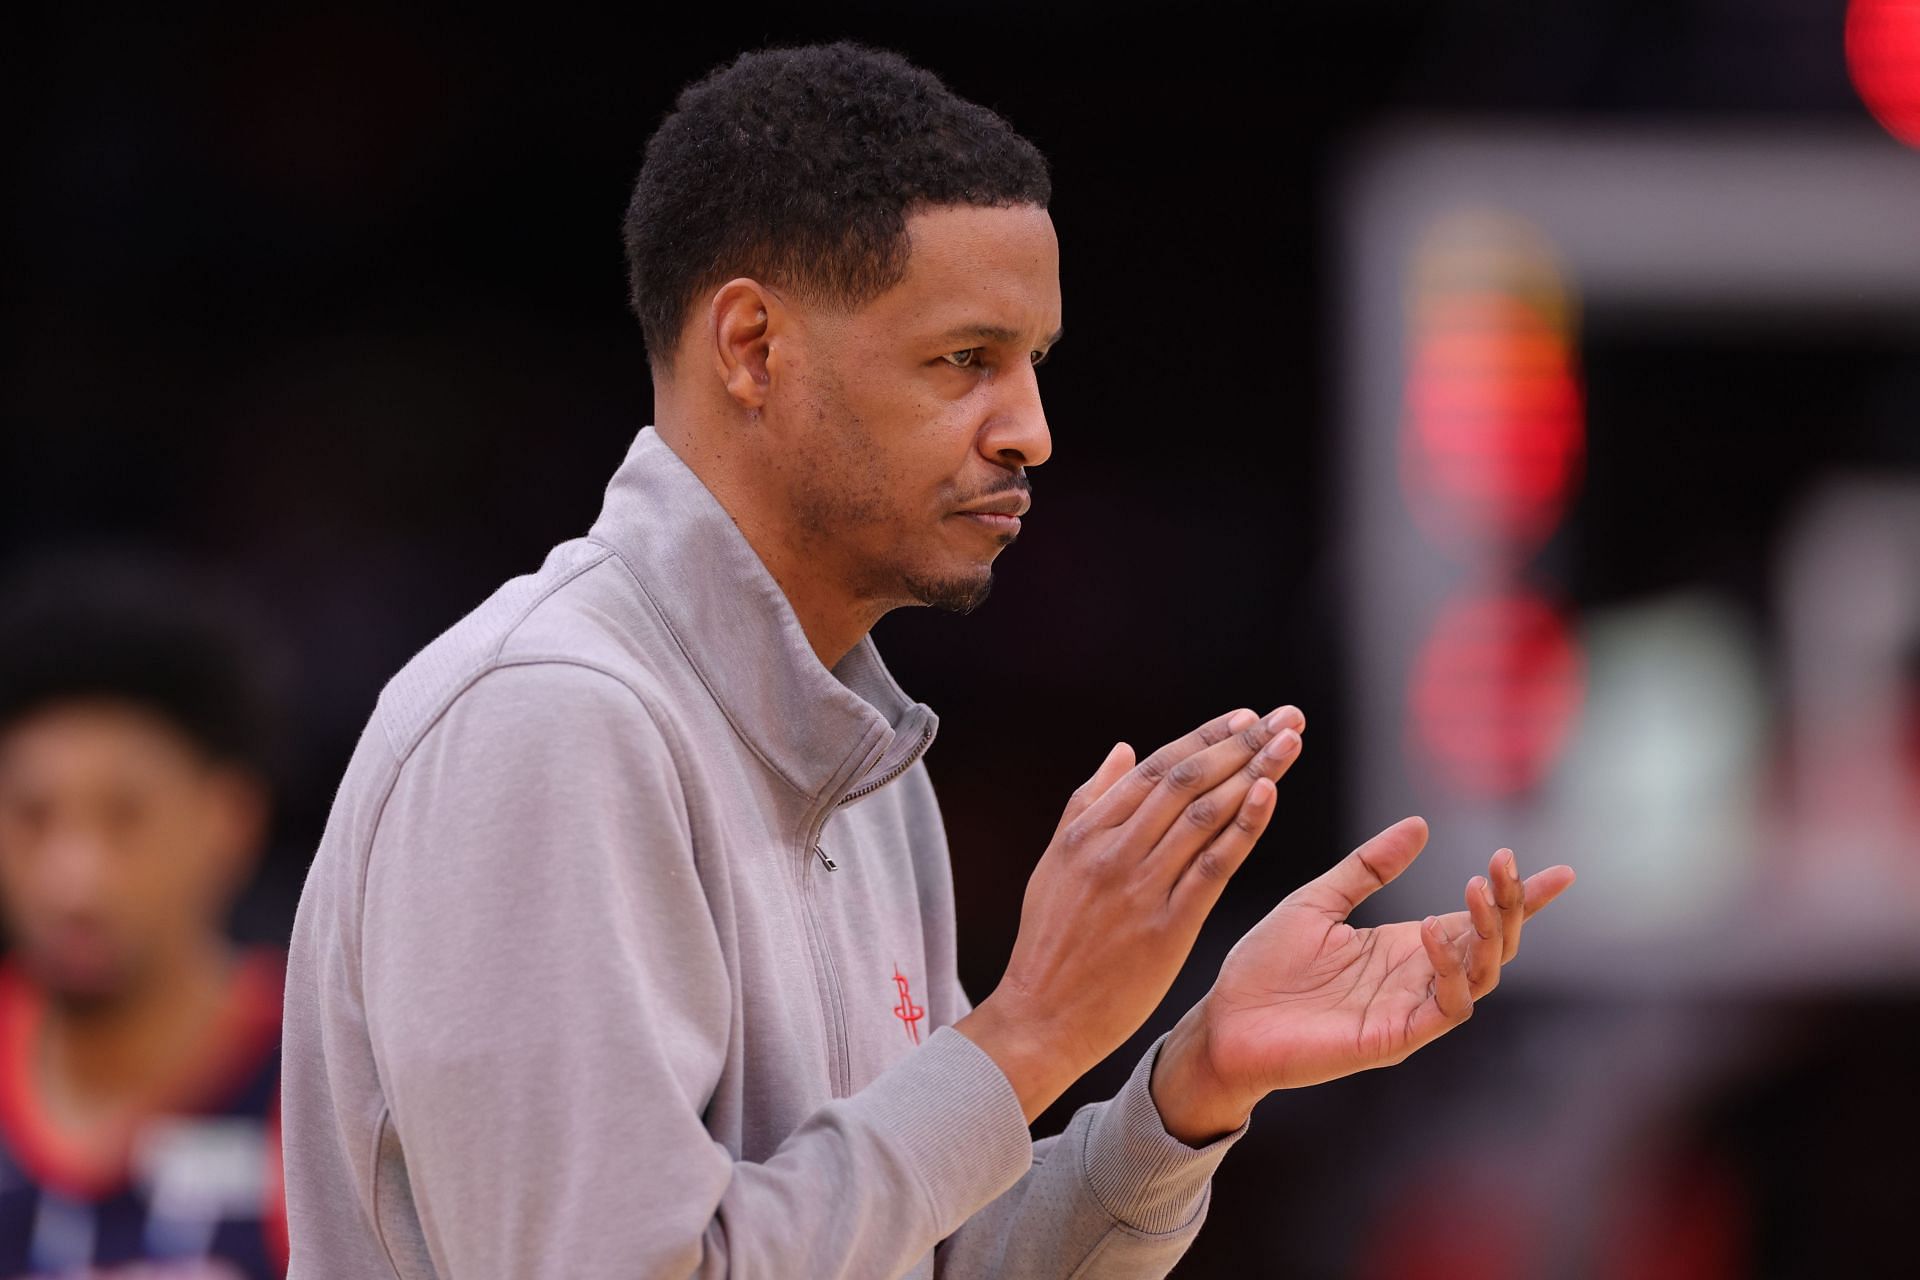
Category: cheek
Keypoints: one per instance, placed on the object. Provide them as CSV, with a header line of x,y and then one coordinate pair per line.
x,y
934,434
874,457
194,853
163,857
16,882
894,449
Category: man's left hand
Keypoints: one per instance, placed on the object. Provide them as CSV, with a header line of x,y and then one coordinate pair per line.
x,y
1305,997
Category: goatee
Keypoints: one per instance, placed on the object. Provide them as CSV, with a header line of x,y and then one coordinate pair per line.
x,y
953,595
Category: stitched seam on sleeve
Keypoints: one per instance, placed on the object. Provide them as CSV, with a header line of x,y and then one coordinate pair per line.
x,y
1119,1220
358,951
1093,1192
931,1209
531,660
1092,1256
1101,1245
373,1182
1199,1211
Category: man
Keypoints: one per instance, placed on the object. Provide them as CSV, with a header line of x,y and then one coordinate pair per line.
x,y
629,950
139,1053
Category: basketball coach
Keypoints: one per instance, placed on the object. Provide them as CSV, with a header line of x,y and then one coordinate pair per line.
x,y
629,949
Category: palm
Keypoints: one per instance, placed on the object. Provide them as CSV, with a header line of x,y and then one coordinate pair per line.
x,y
1306,997
1301,1000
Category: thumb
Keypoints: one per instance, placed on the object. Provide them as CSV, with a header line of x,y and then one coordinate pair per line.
x,y
1375,864
1111,770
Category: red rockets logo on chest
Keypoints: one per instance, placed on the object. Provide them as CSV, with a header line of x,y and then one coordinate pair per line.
x,y
907,1011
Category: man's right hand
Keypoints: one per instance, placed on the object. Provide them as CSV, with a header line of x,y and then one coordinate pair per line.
x,y
1138,860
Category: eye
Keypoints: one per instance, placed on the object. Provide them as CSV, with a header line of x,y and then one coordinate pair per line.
x,y
1038,358
963,359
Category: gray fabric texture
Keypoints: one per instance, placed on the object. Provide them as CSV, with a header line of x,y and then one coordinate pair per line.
x,y
573,992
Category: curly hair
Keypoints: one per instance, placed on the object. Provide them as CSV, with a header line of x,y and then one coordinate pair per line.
x,y
149,631
799,167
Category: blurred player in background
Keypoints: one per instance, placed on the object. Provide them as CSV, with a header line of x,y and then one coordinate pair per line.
x,y
139,1049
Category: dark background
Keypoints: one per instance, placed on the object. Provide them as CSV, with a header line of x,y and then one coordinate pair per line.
x,y
332,299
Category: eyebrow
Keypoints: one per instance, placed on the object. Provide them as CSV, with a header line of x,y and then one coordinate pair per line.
x,y
993,333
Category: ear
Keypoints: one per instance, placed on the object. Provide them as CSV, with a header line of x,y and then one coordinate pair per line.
x,y
746,316
238,809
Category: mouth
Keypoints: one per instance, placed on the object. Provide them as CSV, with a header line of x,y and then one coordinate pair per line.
x,y
1000,516
76,957
1003,523
1012,504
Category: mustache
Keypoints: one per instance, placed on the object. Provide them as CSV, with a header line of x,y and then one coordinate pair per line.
x,y
1014,484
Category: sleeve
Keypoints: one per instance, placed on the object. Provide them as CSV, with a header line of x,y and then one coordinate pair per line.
x,y
549,1007
1113,1197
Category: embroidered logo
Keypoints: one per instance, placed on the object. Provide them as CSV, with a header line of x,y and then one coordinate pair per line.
x,y
907,1011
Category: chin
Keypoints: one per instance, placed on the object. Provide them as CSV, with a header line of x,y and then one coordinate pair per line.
x,y
78,981
953,592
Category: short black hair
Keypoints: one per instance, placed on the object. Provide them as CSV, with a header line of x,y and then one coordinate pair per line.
x,y
799,167
147,631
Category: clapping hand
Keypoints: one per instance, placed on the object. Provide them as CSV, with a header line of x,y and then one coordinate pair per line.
x,y
1306,997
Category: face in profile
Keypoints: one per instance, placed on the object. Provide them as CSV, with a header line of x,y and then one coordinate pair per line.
x,y
920,410
121,845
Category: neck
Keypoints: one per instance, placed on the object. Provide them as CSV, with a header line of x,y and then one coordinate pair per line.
x,y
833,624
100,1058
834,619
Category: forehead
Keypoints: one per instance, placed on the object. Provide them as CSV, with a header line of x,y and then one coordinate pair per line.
x,y
86,738
988,266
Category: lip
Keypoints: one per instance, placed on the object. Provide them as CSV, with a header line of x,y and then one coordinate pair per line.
x,y
998,522
1014,504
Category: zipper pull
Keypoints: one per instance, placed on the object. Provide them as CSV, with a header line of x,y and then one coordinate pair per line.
x,y
825,861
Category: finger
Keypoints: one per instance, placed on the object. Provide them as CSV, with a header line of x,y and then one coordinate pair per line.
x,y
1111,770
1449,1000
1484,943
1452,992
1187,782
1511,895
1353,879
1125,795
1193,829
1544,886
1200,884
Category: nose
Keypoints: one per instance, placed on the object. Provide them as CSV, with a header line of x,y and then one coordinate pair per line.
x,y
76,868
1016,434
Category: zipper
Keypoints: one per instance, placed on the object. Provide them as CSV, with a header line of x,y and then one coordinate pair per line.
x,y
832,999
926,734
832,1006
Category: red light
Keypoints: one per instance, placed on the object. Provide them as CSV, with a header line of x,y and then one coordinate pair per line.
x,y
1496,424
1883,57
1496,691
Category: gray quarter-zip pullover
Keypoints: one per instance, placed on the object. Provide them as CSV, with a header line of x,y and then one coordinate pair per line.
x,y
629,952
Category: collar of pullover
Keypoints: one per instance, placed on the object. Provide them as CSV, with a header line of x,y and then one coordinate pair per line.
x,y
832,735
